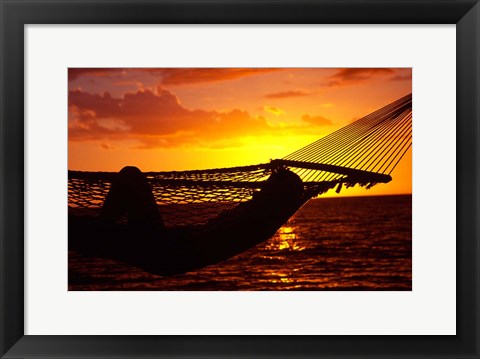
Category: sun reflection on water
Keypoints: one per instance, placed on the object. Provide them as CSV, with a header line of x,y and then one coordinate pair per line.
x,y
282,280
280,277
286,238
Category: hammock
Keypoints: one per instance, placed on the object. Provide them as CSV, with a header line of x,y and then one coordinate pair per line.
x,y
211,215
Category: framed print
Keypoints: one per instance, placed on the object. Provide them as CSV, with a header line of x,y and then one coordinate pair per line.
x,y
230,98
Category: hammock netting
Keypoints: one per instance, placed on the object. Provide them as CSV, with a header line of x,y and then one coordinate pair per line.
x,y
363,153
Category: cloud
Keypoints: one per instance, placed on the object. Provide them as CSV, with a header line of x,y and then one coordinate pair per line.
x,y
202,75
273,110
317,120
106,146
286,94
130,83
172,76
155,119
75,73
355,75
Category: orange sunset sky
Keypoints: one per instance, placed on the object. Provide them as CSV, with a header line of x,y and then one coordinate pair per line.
x,y
176,119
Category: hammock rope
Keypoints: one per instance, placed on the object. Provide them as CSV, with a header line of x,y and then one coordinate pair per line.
x,y
363,153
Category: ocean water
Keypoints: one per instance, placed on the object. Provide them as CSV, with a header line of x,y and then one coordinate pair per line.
x,y
355,243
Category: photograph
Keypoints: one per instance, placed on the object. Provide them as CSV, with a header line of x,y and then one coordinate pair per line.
x,y
239,179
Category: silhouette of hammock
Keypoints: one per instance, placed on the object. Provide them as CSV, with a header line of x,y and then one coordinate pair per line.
x,y
362,153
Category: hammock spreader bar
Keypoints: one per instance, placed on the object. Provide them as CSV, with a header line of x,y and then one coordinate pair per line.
x,y
353,174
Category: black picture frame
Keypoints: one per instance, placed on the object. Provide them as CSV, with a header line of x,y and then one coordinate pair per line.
x,y
16,13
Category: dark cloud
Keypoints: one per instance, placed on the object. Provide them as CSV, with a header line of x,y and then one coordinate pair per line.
x,y
173,76
75,73
273,110
286,94
355,75
106,146
199,75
